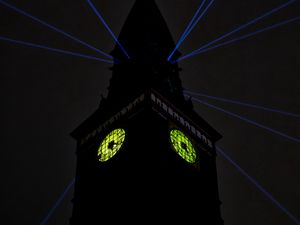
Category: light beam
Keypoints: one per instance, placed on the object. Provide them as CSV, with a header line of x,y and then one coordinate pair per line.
x,y
58,202
198,19
242,37
107,27
237,29
29,44
248,120
187,30
54,28
258,186
241,103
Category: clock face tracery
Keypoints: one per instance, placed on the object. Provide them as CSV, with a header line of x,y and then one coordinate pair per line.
x,y
111,144
183,146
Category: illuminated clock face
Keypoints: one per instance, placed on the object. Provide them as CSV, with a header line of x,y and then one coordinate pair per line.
x,y
183,146
111,144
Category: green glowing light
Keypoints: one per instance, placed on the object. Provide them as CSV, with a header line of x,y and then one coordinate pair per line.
x,y
111,144
183,146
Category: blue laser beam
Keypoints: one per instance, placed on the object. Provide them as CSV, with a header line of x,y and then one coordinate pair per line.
x,y
242,103
238,29
258,186
192,23
29,44
246,25
54,28
247,120
107,27
58,202
198,19
187,30
243,37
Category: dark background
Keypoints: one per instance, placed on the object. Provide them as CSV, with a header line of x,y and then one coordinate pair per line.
x,y
45,95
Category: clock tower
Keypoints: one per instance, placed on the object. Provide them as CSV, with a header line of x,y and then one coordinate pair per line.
x,y
145,155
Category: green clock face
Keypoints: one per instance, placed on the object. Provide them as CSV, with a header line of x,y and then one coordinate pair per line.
x,y
183,146
111,144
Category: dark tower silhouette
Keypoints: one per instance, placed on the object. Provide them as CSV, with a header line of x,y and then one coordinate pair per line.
x,y
145,155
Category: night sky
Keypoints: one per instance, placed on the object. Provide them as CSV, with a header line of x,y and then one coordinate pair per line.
x,y
45,95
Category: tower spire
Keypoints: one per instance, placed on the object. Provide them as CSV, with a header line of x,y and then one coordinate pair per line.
x,y
148,41
145,35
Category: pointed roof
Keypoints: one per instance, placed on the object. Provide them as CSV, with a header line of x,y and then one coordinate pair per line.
x,y
145,34
148,41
